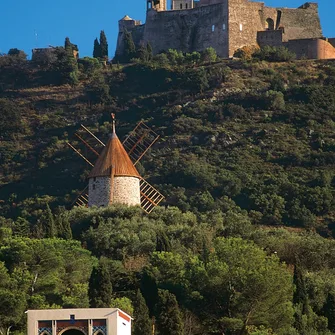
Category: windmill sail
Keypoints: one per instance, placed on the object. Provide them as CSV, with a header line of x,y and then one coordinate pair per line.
x,y
139,141
82,198
150,197
86,145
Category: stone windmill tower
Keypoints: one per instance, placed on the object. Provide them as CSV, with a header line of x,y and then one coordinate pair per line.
x,y
114,177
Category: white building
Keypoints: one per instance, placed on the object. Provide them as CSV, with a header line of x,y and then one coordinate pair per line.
x,y
86,321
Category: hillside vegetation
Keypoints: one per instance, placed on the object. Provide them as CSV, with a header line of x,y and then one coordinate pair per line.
x,y
243,243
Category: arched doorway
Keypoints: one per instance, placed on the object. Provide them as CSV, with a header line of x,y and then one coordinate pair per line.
x,y
270,24
73,331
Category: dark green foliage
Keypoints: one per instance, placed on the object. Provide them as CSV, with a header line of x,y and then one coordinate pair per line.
x,y
103,45
17,53
169,318
48,222
274,54
97,53
129,47
100,287
329,311
10,118
142,322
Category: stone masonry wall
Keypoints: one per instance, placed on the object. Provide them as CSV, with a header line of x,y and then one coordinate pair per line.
x,y
126,190
273,38
225,25
311,48
189,30
247,18
99,190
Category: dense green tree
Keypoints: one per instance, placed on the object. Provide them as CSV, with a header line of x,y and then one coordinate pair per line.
x,y
169,317
129,47
48,221
142,321
97,49
17,53
209,55
100,287
103,45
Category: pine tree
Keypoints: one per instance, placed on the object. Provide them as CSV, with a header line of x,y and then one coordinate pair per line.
x,y
100,287
129,47
96,49
169,319
142,322
103,45
329,311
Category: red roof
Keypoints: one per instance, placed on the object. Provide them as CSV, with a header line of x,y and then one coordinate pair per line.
x,y
114,156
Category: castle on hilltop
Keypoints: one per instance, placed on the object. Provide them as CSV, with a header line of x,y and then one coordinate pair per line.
x,y
227,25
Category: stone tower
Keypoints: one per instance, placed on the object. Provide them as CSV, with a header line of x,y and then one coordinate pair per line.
x,y
158,5
182,4
114,178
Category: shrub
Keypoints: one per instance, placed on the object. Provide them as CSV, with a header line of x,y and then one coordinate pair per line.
x,y
274,54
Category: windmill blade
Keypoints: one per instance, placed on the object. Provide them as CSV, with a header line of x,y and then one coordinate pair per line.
x,y
150,197
82,198
86,145
139,141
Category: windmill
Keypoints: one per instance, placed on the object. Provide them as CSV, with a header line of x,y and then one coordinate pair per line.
x,y
114,177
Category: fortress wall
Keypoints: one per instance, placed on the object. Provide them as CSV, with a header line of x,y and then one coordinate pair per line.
x,y
189,30
273,38
245,20
301,23
311,48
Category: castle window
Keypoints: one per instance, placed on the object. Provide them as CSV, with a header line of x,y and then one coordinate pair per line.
x,y
181,6
224,26
186,6
213,28
270,24
241,26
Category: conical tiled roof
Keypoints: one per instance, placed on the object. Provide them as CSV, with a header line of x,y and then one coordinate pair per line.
x,y
114,155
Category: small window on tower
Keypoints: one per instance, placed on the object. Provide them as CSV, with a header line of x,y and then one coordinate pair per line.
x,y
224,26
186,6
181,6
213,28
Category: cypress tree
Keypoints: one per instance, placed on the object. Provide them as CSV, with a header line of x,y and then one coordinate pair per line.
x,y
129,47
49,223
142,322
103,45
169,319
100,287
96,49
149,51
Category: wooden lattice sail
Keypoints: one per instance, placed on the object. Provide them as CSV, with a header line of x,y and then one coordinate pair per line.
x,y
115,160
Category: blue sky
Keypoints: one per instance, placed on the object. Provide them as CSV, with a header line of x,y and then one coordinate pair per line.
x,y
26,24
